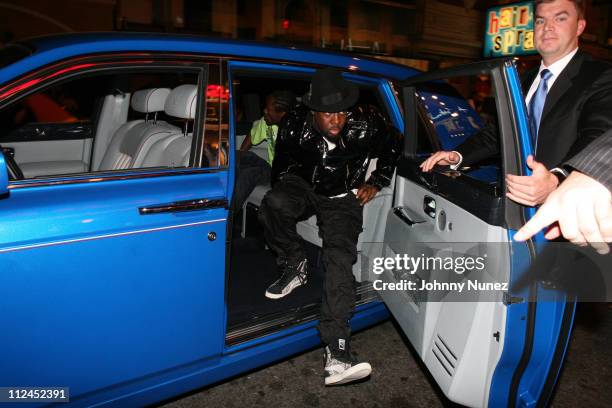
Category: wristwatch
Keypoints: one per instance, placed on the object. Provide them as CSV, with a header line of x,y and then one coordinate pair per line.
x,y
560,173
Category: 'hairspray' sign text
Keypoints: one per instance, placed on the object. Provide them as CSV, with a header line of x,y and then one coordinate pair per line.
x,y
509,30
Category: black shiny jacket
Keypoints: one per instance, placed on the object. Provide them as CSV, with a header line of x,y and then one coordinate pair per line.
x,y
301,150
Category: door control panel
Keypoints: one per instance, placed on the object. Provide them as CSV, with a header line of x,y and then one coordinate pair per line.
x,y
429,206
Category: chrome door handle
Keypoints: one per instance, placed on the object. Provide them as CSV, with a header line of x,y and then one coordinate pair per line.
x,y
405,215
186,205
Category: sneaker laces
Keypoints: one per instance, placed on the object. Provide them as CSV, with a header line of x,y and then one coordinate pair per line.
x,y
291,271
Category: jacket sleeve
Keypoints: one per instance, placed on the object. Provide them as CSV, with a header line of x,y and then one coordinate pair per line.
x,y
595,115
596,160
485,144
284,148
387,147
481,146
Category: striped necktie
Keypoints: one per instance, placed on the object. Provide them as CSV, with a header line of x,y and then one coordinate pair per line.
x,y
536,105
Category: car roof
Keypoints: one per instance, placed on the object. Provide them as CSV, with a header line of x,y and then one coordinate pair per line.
x,y
49,49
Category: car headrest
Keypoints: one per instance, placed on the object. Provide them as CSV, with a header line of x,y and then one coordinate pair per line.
x,y
150,100
181,102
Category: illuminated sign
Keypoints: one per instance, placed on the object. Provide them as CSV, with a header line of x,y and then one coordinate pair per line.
x,y
509,30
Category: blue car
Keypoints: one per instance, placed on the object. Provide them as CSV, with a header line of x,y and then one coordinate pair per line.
x,y
127,279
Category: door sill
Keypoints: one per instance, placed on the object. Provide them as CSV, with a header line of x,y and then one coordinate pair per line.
x,y
260,326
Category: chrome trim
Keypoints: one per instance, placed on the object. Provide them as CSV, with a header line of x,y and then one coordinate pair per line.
x,y
185,205
115,178
118,234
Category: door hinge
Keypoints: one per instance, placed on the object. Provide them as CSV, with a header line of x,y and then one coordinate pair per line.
x,y
508,299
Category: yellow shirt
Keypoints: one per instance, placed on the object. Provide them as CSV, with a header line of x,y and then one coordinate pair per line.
x,y
260,131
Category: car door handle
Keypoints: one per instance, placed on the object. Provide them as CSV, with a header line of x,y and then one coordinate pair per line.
x,y
406,215
186,205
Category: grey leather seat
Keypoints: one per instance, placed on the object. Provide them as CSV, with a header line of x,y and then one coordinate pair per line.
x,y
134,138
173,149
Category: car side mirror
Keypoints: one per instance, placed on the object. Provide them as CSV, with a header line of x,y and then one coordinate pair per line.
x,y
4,179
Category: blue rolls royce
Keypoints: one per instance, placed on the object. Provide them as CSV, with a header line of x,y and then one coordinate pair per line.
x,y
126,277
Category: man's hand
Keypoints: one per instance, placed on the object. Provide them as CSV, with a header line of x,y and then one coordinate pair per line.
x,y
442,158
583,209
531,190
366,192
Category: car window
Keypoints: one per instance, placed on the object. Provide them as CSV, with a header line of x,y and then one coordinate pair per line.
x,y
453,111
101,122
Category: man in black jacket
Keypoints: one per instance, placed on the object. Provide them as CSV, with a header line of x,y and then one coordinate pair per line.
x,y
320,163
569,101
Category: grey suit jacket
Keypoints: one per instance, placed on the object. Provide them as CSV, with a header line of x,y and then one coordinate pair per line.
x,y
595,160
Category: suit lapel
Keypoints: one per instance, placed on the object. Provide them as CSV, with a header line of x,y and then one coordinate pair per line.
x,y
562,84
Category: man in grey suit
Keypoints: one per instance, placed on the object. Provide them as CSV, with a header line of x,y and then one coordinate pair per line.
x,y
569,100
582,205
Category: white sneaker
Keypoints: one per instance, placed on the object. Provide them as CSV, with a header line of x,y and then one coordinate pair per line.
x,y
341,368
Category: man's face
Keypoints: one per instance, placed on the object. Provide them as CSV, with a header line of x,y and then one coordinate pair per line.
x,y
330,124
272,116
557,28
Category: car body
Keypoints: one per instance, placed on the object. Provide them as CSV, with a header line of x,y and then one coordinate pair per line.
x,y
116,259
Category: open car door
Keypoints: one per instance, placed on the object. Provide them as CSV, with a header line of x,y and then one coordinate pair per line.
x,y
483,345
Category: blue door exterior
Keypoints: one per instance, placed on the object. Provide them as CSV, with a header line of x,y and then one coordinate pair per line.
x,y
539,332
98,295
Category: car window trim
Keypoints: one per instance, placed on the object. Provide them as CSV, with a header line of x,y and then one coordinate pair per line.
x,y
151,172
198,67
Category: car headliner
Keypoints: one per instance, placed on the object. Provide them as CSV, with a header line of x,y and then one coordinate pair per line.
x,y
50,49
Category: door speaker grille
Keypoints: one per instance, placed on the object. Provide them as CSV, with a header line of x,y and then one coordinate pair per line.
x,y
444,355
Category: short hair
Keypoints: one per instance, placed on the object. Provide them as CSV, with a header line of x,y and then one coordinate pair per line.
x,y
579,4
284,101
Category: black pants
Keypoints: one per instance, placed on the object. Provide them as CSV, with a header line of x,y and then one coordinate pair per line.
x,y
340,222
252,170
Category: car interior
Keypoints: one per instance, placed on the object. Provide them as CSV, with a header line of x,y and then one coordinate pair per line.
x,y
102,123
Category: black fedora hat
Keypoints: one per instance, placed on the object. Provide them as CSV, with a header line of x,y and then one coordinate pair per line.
x,y
329,92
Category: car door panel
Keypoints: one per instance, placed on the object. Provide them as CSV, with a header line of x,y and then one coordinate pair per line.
x,y
454,339
27,152
62,156
481,353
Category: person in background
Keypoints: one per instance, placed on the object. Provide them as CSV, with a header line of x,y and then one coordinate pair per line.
x,y
252,169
